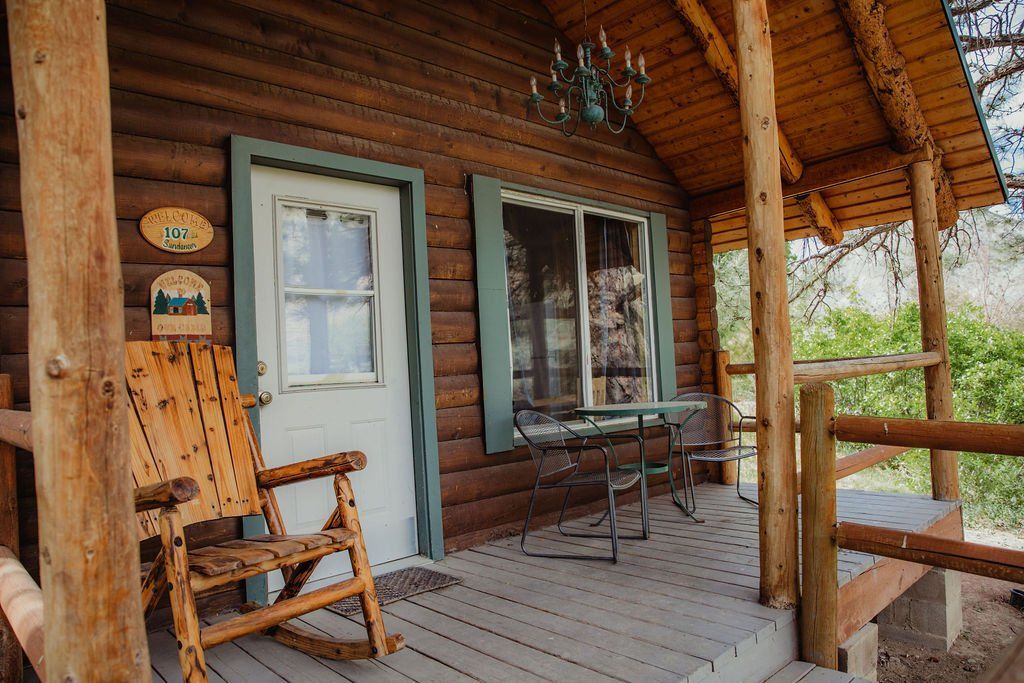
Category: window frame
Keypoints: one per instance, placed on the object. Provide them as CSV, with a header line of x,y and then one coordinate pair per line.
x,y
579,211
492,299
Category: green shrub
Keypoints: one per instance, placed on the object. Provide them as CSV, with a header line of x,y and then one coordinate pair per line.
x,y
988,386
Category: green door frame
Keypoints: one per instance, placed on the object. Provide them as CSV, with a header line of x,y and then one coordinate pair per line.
x,y
248,152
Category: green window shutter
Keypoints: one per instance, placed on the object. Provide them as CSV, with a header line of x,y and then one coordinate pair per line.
x,y
662,291
492,304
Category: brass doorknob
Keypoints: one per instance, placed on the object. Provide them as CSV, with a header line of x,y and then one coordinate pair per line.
x,y
265,398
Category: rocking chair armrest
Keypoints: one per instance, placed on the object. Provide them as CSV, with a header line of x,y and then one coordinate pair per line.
x,y
339,463
165,493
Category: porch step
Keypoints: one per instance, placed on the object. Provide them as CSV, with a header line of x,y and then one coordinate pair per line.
x,y
805,672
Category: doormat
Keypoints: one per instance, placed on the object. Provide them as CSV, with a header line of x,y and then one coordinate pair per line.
x,y
396,585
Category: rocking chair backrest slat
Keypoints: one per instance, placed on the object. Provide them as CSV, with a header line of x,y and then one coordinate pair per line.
x,y
186,420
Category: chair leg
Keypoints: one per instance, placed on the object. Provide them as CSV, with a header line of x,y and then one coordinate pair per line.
x,y
611,521
752,502
688,492
561,515
183,602
372,616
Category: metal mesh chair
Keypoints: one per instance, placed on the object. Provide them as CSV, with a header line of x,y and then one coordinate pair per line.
x,y
711,426
556,448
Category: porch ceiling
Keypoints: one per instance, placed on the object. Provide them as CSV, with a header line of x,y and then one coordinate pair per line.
x,y
825,105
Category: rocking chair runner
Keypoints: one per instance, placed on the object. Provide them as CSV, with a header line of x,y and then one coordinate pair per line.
x,y
187,423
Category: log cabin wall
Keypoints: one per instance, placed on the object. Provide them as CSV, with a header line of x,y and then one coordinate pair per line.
x,y
433,84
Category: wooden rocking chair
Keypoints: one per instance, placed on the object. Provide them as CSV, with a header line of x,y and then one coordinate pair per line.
x,y
188,423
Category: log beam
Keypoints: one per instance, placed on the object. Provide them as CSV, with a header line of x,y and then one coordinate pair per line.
x,y
773,352
816,177
88,539
1004,564
805,371
931,294
820,217
976,437
886,72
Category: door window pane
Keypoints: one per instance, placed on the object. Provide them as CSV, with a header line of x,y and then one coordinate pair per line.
x,y
329,338
617,307
329,316
326,248
540,255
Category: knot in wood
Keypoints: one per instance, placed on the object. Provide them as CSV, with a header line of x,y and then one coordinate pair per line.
x,y
763,197
766,123
39,57
765,422
57,366
22,114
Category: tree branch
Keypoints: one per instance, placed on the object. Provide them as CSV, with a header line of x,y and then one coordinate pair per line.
x,y
975,43
1014,181
960,9
1000,72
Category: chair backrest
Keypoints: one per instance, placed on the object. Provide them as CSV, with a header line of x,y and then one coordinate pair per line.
x,y
546,438
186,419
706,426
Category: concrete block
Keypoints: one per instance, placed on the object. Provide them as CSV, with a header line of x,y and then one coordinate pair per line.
x,y
858,655
929,613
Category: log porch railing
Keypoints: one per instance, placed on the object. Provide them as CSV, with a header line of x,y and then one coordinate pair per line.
x,y
823,535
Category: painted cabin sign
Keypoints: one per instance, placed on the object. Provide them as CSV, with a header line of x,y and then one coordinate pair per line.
x,y
176,230
180,307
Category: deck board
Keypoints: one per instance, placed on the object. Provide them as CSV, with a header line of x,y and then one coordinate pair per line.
x,y
681,606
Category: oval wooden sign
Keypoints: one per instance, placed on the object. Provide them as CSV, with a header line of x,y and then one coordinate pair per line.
x,y
175,229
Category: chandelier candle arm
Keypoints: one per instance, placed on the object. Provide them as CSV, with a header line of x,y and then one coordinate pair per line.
x,y
587,93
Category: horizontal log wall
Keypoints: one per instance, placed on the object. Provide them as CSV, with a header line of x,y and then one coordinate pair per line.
x,y
434,85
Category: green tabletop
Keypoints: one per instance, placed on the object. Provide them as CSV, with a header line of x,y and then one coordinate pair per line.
x,y
652,408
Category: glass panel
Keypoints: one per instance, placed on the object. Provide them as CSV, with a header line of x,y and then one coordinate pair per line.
x,y
326,249
329,338
618,311
540,255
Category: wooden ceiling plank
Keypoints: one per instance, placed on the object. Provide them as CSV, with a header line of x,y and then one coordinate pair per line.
x,y
886,71
722,62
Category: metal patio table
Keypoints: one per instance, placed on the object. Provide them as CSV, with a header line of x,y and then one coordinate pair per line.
x,y
640,411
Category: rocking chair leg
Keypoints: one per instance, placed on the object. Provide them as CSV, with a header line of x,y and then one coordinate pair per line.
x,y
361,567
183,603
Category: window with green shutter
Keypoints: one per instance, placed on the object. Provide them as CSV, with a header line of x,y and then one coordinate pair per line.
x,y
574,305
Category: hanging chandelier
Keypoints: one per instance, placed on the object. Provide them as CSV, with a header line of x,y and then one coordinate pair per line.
x,y
588,94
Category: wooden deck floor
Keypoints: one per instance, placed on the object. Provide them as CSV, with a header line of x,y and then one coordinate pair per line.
x,y
681,606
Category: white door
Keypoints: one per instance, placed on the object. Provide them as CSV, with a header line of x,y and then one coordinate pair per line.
x,y
330,320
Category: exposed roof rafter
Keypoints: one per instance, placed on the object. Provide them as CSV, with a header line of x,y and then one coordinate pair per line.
x,y
886,72
722,61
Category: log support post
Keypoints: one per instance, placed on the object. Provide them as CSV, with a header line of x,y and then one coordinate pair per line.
x,y
931,294
820,598
726,471
769,303
88,547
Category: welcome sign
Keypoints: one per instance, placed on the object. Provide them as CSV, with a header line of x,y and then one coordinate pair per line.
x,y
176,229
180,307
